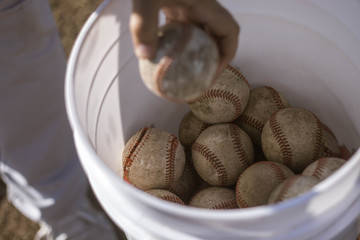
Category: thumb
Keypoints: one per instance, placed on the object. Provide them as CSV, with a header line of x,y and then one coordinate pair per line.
x,y
143,28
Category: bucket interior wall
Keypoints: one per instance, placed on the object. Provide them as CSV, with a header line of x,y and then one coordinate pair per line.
x,y
309,64
308,53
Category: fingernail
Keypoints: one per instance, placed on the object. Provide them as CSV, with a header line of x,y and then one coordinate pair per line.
x,y
143,51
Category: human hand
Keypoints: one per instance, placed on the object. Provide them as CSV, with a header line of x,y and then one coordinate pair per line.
x,y
209,14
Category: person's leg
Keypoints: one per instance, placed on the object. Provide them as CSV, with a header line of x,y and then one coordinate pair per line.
x,y
38,160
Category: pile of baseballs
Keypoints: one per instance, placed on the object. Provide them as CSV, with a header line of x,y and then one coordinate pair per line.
x,y
236,148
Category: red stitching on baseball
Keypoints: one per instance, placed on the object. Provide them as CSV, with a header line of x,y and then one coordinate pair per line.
x,y
213,160
164,64
173,199
133,150
237,144
319,169
222,94
172,143
279,173
252,122
229,204
319,137
276,97
166,61
237,73
281,140
240,200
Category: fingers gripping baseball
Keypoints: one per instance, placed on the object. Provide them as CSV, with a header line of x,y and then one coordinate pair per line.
x,y
207,13
143,27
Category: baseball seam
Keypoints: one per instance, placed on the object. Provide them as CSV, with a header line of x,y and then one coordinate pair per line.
x,y
133,151
164,64
280,138
319,169
213,160
172,199
240,200
237,144
172,144
237,73
319,136
252,122
229,204
276,97
220,94
166,61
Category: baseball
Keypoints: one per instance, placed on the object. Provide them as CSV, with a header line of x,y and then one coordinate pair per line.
x,y
292,187
293,137
187,184
153,158
202,185
221,153
214,198
345,153
256,183
225,100
263,102
331,147
323,167
166,195
185,64
190,128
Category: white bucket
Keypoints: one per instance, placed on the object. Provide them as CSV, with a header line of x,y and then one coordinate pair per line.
x,y
308,50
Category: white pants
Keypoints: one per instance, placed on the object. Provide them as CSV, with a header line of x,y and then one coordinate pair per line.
x,y
38,160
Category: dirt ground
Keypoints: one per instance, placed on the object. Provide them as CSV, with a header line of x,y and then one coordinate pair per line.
x,y
70,16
